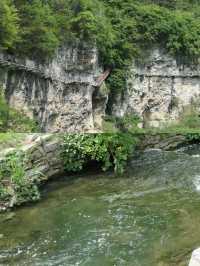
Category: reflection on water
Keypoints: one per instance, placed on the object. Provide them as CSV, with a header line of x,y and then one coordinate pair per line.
x,y
150,217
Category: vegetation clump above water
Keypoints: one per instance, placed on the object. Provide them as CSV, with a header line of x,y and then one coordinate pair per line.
x,y
121,29
110,150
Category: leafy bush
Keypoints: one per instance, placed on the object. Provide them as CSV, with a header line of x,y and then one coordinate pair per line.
x,y
111,150
193,137
12,173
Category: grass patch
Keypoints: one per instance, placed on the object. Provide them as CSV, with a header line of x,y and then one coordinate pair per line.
x,y
189,122
11,140
12,120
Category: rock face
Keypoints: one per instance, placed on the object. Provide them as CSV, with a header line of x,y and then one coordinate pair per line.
x,y
60,94
63,96
160,90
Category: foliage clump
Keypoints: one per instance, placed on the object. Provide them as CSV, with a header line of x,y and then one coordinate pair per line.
x,y
14,185
110,150
9,24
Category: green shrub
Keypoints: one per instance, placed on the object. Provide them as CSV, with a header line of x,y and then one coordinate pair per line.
x,y
111,150
12,173
191,137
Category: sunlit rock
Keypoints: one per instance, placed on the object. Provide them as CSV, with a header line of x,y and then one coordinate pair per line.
x,y
61,94
160,90
195,260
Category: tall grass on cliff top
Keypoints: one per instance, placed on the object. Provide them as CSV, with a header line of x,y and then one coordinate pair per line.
x,y
121,29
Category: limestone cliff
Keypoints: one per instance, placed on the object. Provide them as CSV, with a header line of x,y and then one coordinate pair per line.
x,y
60,94
160,89
64,95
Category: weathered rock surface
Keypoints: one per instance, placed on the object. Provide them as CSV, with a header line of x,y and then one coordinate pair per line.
x,y
60,94
63,96
160,90
161,141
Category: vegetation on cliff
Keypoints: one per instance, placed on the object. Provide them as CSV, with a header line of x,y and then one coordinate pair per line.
x,y
121,29
14,121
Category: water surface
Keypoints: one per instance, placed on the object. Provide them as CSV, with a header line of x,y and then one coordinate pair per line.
x,y
149,217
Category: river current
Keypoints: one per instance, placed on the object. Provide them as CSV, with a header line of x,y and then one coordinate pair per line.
x,y
148,217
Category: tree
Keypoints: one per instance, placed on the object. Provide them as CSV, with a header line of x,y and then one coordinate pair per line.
x,y
39,29
9,25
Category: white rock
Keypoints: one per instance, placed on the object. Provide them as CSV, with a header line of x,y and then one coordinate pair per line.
x,y
195,259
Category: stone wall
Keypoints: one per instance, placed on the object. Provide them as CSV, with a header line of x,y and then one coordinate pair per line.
x,y
160,90
60,93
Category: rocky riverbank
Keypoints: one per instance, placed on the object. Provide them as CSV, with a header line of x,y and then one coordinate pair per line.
x,y
39,159
25,168
161,141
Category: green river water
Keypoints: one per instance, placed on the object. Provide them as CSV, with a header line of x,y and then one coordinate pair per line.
x,y
149,217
